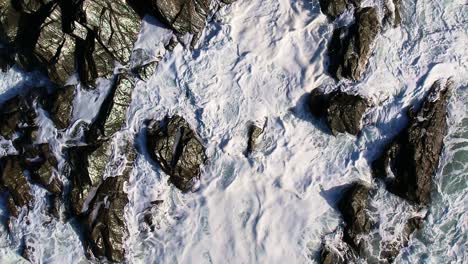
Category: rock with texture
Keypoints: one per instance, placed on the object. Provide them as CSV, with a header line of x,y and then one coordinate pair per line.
x,y
253,133
343,112
176,148
413,156
350,51
60,106
334,8
15,183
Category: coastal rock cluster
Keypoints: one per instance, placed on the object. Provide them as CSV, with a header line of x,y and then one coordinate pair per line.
x,y
87,40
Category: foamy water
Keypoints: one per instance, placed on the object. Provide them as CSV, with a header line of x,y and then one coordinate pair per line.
x,y
255,62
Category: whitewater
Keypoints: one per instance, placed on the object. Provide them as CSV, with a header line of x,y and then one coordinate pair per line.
x,y
255,62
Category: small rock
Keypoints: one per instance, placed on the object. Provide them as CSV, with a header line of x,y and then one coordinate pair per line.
x,y
334,8
175,147
253,133
342,111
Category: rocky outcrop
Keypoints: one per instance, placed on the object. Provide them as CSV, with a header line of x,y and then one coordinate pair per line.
x,y
42,166
392,13
350,49
56,36
343,112
253,133
334,8
413,156
176,148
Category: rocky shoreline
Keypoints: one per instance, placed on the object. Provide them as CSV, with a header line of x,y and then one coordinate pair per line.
x,y
86,39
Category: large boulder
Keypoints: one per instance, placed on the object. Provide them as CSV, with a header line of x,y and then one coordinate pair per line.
x,y
350,51
413,157
334,8
343,112
176,148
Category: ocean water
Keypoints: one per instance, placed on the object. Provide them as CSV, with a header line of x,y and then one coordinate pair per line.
x,y
256,62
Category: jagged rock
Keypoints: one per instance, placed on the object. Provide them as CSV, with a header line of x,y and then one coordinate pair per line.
x,y
15,182
342,111
334,8
42,166
82,185
183,16
253,133
174,145
112,112
107,222
349,54
336,255
60,106
413,156
17,117
353,207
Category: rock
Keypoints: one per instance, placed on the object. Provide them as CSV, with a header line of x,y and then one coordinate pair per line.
x,y
353,207
183,16
349,55
175,147
112,112
413,157
106,223
342,111
253,133
17,121
105,220
82,185
329,256
60,106
15,182
334,8
42,167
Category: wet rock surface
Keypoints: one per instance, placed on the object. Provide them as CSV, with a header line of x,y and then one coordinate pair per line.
x,y
343,112
353,208
176,148
56,36
413,156
350,49
15,183
334,8
60,106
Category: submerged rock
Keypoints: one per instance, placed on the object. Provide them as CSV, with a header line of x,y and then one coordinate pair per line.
x,y
343,112
413,156
176,148
349,54
334,8
390,250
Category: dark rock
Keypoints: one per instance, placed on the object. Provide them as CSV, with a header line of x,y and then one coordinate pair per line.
x,y
15,182
329,256
413,156
183,16
107,227
342,111
112,112
82,185
253,133
353,207
174,145
349,54
60,106
334,8
42,166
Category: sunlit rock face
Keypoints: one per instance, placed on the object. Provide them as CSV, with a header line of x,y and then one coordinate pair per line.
x,y
414,155
176,148
88,37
